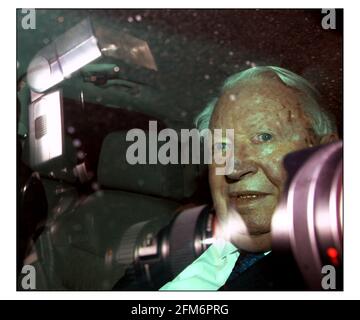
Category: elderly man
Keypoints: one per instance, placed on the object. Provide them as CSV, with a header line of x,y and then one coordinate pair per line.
x,y
273,112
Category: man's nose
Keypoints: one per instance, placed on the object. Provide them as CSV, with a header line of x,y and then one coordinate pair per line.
x,y
241,170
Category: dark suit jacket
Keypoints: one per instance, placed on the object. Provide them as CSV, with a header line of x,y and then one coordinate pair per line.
x,y
271,273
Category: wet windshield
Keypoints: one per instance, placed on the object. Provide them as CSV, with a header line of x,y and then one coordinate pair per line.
x,y
114,189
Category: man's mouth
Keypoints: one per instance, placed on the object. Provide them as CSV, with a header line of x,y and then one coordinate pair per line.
x,y
244,197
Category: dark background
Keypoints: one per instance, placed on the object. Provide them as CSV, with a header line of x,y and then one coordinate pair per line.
x,y
195,50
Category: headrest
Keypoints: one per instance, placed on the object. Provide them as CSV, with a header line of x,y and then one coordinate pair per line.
x,y
173,181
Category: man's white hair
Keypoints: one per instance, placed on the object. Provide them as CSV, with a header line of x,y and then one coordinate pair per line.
x,y
322,122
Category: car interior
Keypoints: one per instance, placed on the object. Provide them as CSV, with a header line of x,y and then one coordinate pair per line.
x,y
75,209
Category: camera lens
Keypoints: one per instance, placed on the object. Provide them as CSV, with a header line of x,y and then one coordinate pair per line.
x,y
155,254
308,220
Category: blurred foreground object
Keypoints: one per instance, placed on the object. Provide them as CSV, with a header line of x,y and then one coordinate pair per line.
x,y
309,217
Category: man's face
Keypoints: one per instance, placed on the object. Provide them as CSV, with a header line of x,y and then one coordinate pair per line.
x,y
268,123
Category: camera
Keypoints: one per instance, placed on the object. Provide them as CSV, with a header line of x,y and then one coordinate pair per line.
x,y
309,218
153,258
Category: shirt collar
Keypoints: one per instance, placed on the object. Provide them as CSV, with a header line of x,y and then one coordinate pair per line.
x,y
225,248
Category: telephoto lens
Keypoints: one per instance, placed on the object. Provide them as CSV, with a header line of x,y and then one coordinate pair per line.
x,y
154,254
309,218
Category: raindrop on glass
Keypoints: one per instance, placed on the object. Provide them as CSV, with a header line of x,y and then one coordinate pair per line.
x,y
81,155
95,186
76,143
71,130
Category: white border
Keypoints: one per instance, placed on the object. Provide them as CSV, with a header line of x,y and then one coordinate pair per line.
x,y
8,148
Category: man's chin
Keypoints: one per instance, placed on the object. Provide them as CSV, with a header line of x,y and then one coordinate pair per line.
x,y
253,242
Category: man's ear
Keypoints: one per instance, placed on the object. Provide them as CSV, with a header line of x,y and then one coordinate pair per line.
x,y
328,138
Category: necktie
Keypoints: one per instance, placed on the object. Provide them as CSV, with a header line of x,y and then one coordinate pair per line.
x,y
245,261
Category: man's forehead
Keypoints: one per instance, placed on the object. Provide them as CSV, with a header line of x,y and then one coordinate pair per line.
x,y
259,96
263,87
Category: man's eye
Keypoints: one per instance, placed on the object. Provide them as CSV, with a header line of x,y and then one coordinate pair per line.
x,y
262,137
